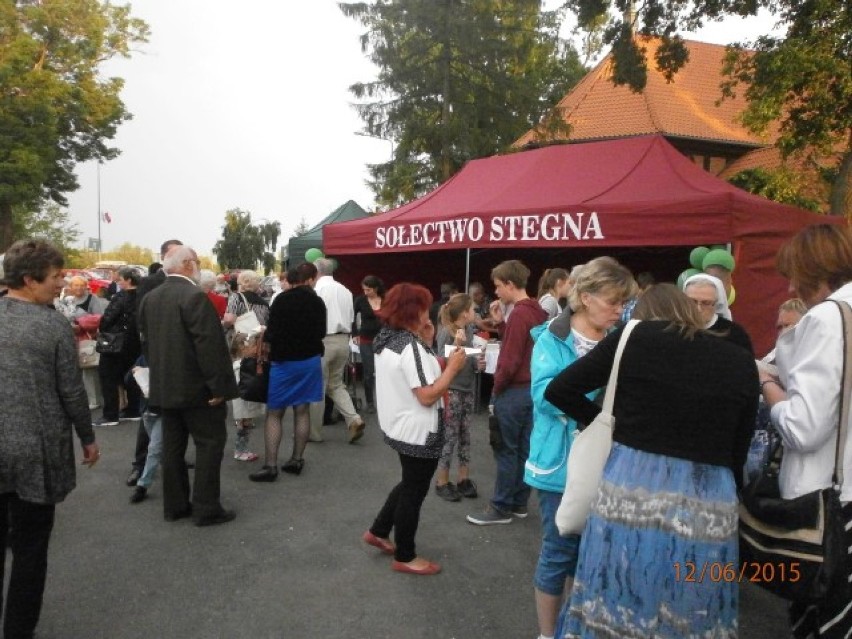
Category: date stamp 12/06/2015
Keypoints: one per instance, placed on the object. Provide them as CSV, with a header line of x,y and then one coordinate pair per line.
x,y
747,571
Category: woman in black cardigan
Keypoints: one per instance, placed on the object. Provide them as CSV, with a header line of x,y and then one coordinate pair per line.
x,y
365,328
297,322
666,510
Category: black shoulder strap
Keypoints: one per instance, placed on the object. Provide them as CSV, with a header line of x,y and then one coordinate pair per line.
x,y
845,391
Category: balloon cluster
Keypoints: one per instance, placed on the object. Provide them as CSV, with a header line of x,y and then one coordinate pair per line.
x,y
703,259
313,254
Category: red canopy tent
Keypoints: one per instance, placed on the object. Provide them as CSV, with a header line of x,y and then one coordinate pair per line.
x,y
634,192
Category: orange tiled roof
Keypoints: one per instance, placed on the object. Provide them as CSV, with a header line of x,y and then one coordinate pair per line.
x,y
686,107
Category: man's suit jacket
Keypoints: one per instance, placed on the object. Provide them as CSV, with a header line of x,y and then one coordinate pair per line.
x,y
186,350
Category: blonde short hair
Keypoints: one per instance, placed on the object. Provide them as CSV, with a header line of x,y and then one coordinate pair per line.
x,y
248,281
598,275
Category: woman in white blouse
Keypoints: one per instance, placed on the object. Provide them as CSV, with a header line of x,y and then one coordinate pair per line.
x,y
818,263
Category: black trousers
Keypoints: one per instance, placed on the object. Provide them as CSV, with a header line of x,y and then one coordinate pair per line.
x,y
207,426
112,370
401,512
27,527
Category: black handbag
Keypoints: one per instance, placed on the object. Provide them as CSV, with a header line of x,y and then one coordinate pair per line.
x,y
110,343
800,541
253,384
254,380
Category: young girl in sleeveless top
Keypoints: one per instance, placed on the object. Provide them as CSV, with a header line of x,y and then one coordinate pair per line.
x,y
457,328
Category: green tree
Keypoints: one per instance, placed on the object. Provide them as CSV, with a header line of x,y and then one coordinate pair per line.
x,y
50,222
55,107
301,228
802,79
457,80
245,245
780,185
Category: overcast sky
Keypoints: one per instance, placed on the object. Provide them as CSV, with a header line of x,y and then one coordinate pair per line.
x,y
243,105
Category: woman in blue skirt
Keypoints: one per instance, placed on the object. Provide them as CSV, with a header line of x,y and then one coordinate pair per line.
x,y
659,555
294,334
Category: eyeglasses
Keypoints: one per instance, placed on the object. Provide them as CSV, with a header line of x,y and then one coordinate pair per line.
x,y
705,303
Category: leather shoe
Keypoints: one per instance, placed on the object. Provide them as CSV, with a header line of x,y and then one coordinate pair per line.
x,y
266,473
356,430
430,568
222,517
133,477
182,514
385,545
138,495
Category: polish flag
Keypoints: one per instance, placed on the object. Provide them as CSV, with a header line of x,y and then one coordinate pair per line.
x,y
107,217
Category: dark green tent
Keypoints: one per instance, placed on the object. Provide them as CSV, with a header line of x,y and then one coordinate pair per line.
x,y
297,246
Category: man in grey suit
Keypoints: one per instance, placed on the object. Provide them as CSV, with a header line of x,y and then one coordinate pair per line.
x,y
191,379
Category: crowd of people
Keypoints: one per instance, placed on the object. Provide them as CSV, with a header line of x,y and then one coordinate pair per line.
x,y
688,398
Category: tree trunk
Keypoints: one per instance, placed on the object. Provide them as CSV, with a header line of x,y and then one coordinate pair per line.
x,y
6,232
841,190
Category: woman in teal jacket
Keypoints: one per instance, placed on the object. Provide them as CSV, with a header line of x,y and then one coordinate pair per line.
x,y
595,305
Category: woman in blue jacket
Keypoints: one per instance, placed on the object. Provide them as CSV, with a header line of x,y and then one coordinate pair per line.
x,y
595,305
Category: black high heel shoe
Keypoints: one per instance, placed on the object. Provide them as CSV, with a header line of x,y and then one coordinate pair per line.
x,y
293,466
266,473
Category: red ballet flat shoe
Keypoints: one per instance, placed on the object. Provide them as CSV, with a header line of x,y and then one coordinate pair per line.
x,y
430,568
385,545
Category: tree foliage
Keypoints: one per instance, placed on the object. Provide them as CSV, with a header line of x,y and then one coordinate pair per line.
x,y
301,228
781,185
245,245
50,222
457,80
803,80
55,107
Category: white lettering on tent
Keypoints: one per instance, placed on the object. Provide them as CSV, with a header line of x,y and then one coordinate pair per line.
x,y
529,228
594,224
551,227
475,229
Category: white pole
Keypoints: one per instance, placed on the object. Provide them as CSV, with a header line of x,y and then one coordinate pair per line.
x,y
99,210
466,269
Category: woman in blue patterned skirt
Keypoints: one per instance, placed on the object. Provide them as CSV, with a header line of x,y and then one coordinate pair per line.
x,y
663,528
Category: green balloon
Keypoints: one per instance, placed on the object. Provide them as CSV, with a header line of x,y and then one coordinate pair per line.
x,y
718,257
696,257
685,276
313,254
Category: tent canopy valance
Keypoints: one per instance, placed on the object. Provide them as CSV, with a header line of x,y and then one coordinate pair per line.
x,y
630,192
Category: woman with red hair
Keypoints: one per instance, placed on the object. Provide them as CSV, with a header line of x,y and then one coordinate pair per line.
x,y
409,387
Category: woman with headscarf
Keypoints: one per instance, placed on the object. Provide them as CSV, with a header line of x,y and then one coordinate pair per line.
x,y
708,294
805,398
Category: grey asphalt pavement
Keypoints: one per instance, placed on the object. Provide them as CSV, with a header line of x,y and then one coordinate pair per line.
x,y
293,564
